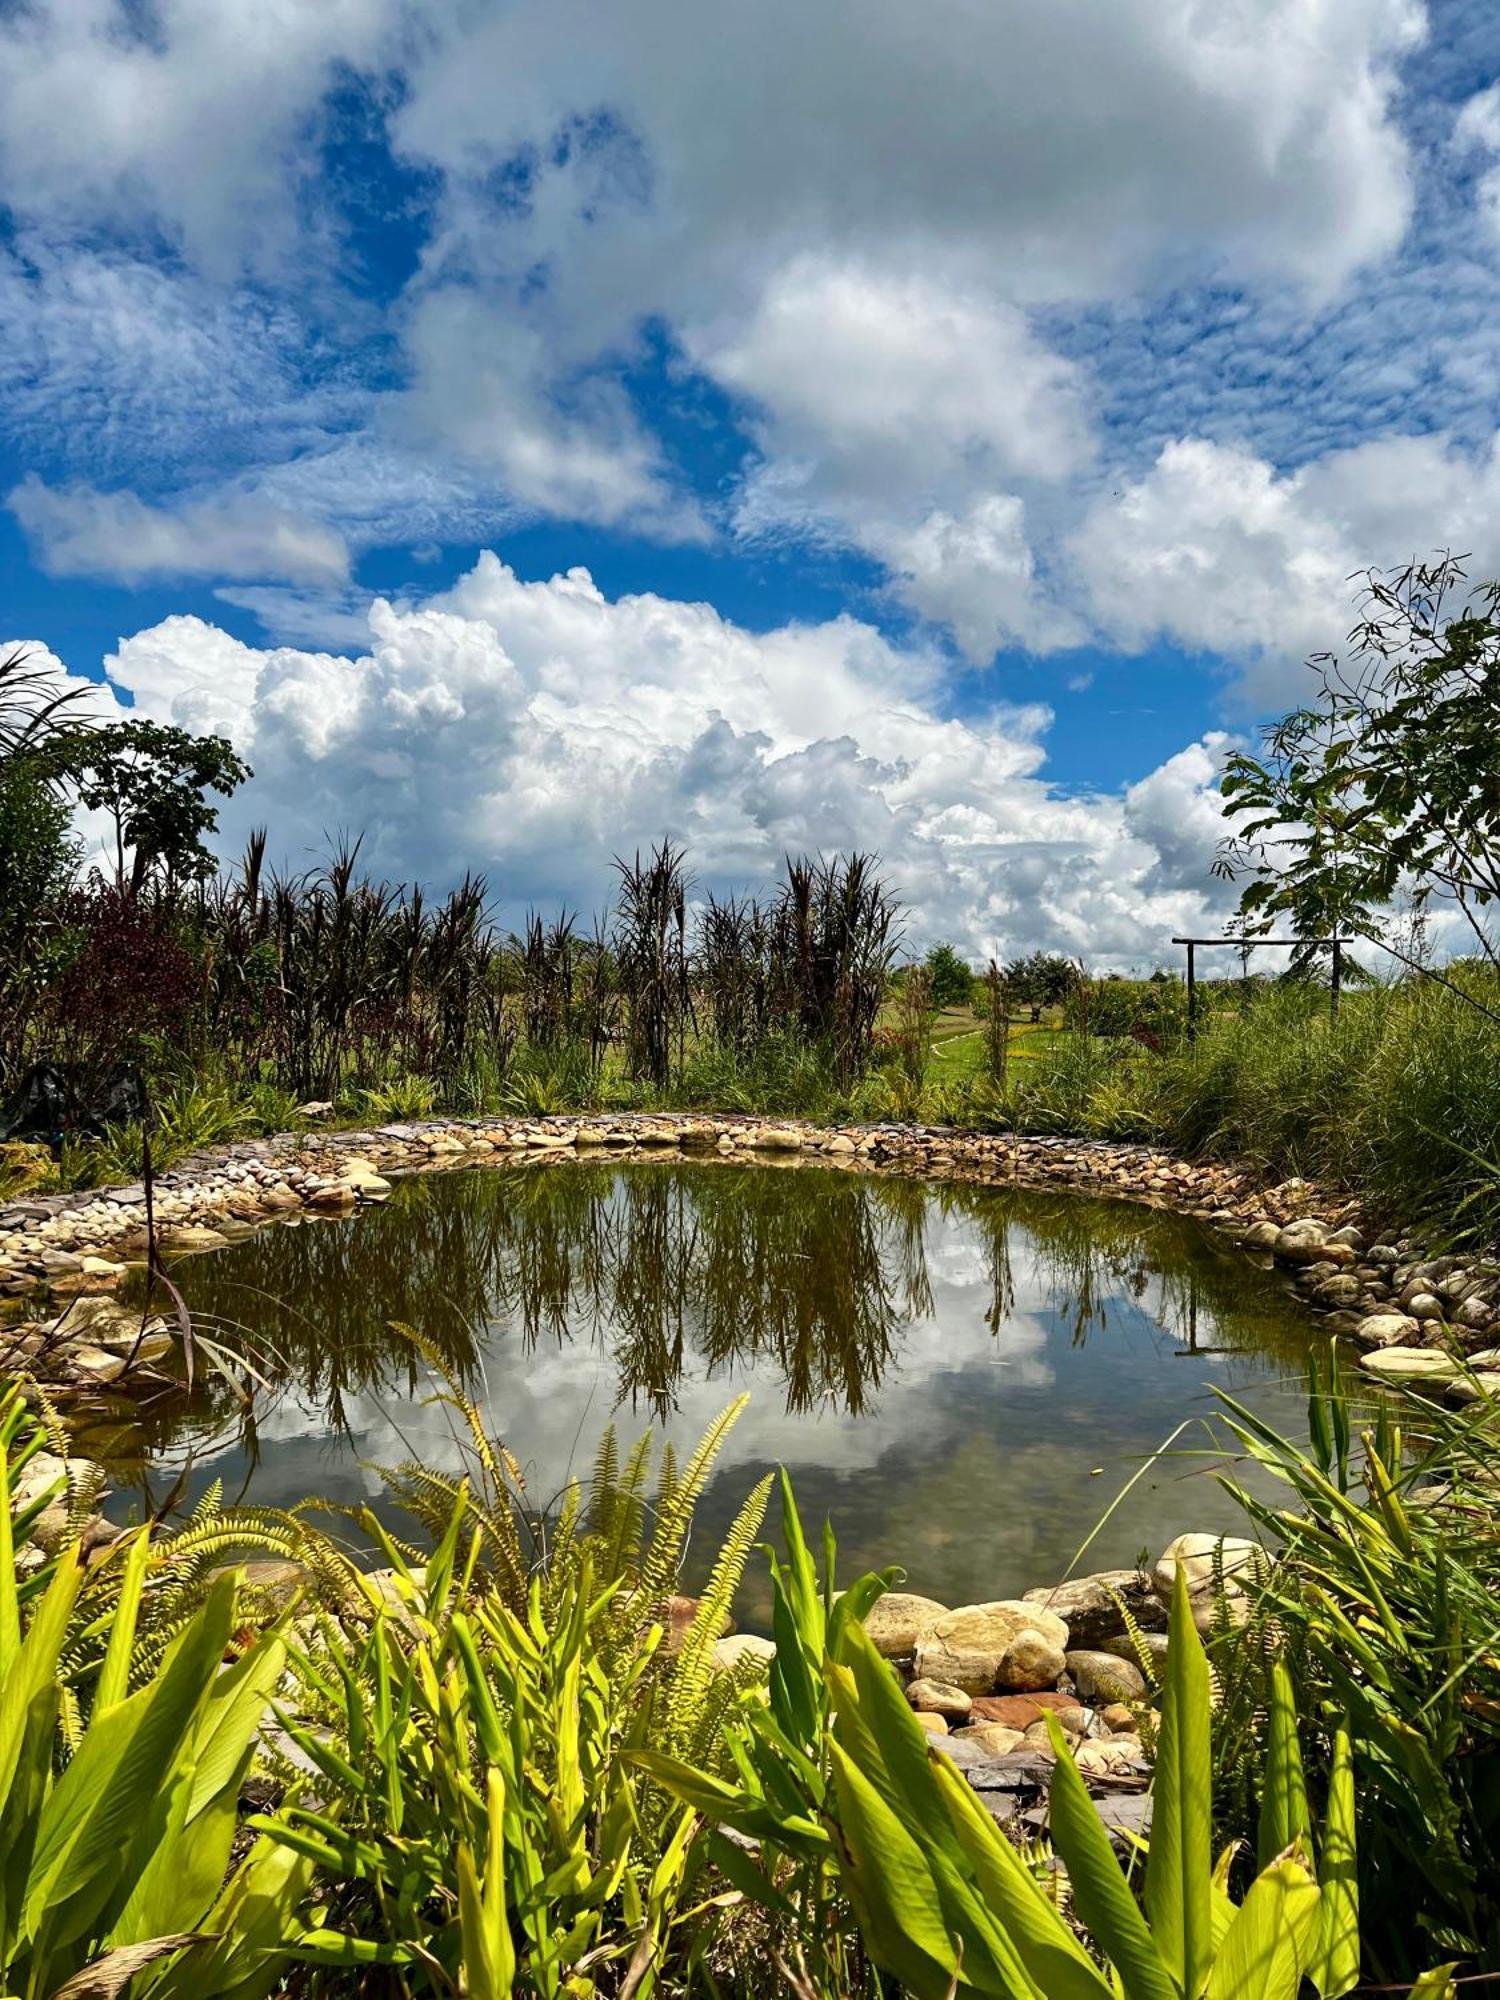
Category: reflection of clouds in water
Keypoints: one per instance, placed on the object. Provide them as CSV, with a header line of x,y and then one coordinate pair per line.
x,y
1025,1349
551,1404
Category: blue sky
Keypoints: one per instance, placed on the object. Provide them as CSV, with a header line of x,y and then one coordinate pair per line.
x,y
968,419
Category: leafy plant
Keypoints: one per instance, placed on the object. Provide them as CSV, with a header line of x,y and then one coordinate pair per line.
x,y
401,1098
1385,1595
116,1830
537,1655
837,1780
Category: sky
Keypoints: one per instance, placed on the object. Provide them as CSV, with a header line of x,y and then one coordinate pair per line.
x,y
529,428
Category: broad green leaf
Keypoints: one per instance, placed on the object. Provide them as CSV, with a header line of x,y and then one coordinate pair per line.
x,y
489,1955
119,1777
1435,1985
1051,1955
114,1676
1101,1894
1284,1815
1335,1965
10,1607
1268,1946
1179,1898
890,1886
34,1667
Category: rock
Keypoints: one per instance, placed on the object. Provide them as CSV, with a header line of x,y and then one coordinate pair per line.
x,y
1074,1721
368,1183
742,1646
275,1580
898,1620
939,1698
993,1737
935,1725
1348,1234
278,1197
1118,1717
1385,1329
333,1195
1124,1647
681,1611
188,1238
1030,1661
1241,1562
1102,1677
1301,1242
1410,1364
1019,1711
1114,1757
1473,1313
1037,1736
968,1645
1482,1386
1425,1305
1342,1289
1090,1605
315,1107
43,1472
1262,1236
92,1365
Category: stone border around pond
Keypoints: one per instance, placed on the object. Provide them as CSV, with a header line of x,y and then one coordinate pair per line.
x,y
1432,1321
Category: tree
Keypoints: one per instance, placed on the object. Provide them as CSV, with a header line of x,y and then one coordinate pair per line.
x,y
1389,777
952,981
1043,980
151,778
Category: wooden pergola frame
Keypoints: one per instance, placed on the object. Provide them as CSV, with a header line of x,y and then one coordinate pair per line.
x,y
1336,979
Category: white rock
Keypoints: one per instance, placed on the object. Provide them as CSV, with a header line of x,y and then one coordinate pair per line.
x,y
1386,1329
1410,1364
740,1647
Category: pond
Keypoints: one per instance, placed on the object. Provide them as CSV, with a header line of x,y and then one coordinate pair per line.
x,y
961,1377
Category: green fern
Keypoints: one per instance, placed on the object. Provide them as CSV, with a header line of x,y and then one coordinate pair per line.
x,y
674,1507
691,1723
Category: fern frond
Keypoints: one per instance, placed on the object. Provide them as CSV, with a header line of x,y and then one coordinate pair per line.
x,y
692,1670
604,1484
621,1552
664,1555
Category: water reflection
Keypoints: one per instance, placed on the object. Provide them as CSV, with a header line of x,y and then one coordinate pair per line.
x,y
962,1375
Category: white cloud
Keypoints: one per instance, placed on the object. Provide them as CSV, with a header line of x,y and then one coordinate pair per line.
x,y
80,531
892,414
483,386
1061,146
1477,131
534,730
1214,550
180,116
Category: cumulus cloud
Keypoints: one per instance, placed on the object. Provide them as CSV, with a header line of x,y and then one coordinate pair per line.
x,y
80,531
180,117
1476,132
1213,549
1065,144
534,730
892,413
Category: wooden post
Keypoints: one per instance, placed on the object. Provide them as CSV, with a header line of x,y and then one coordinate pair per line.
x,y
1192,1024
1337,978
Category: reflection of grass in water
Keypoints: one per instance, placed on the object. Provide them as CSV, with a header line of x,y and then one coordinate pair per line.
x,y
662,1264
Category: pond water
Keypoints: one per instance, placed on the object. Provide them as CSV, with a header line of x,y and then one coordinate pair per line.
x,y
962,1378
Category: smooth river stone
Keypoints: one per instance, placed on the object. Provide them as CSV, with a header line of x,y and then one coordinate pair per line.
x,y
968,1646
895,1622
1090,1605
1101,1677
939,1698
1410,1364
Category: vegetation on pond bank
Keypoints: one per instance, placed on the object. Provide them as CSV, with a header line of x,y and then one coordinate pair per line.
x,y
512,1768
